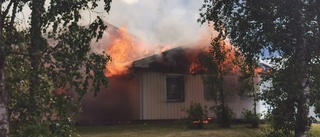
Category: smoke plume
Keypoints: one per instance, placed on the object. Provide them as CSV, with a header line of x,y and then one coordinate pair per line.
x,y
167,22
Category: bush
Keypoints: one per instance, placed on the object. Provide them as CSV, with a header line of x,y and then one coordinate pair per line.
x,y
224,115
251,118
270,132
37,129
58,128
195,115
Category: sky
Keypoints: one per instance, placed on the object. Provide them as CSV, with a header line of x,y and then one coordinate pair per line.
x,y
157,21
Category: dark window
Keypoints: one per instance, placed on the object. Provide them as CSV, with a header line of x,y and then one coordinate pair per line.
x,y
207,93
175,88
245,97
231,99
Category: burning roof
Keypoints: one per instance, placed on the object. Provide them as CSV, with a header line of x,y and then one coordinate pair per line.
x,y
124,48
128,52
176,60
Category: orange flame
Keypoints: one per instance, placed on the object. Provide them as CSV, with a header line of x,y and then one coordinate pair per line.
x,y
226,64
124,49
205,121
258,70
196,66
61,91
122,44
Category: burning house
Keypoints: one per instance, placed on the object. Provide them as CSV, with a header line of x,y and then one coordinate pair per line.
x,y
154,87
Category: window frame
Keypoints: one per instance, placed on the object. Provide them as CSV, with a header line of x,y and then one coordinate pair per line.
x,y
181,81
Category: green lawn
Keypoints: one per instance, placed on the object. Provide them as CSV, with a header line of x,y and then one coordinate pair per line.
x,y
160,130
174,130
315,130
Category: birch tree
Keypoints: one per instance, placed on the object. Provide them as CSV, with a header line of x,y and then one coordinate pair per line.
x,y
288,31
52,53
218,62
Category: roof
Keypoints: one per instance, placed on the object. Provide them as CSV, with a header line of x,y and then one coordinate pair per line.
x,y
175,60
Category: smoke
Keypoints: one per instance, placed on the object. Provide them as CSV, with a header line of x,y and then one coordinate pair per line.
x,y
164,22
153,26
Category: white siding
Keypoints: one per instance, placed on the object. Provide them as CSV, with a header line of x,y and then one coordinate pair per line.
x,y
154,101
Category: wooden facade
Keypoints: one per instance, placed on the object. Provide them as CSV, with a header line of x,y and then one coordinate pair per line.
x,y
154,104
143,94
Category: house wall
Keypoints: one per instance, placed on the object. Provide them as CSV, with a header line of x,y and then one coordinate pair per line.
x,y
154,105
117,102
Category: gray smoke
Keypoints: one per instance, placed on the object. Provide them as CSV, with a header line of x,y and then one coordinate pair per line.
x,y
158,21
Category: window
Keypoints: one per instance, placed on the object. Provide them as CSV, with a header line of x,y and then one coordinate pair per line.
x,y
175,88
231,99
245,97
207,93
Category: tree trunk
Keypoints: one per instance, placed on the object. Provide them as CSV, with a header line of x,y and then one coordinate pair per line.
x,y
318,15
4,121
34,50
253,90
301,98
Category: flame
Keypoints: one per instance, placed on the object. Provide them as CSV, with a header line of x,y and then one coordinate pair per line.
x,y
124,49
196,65
198,121
205,121
230,56
258,70
203,43
61,91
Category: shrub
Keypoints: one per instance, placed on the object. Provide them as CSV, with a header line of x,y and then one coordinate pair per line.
x,y
251,118
58,128
37,129
195,115
224,115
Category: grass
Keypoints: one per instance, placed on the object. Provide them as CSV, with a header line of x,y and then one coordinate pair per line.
x,y
165,130
315,130
175,130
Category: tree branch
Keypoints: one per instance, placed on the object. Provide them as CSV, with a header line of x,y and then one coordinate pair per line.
x,y
14,11
7,10
22,54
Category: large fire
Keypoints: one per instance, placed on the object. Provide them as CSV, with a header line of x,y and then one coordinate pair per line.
x,y
124,49
121,45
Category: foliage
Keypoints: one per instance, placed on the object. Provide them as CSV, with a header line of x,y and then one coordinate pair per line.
x,y
285,121
251,117
287,34
218,62
247,77
224,115
270,132
196,112
48,66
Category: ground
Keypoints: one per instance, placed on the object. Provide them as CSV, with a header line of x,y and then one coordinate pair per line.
x,y
175,130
